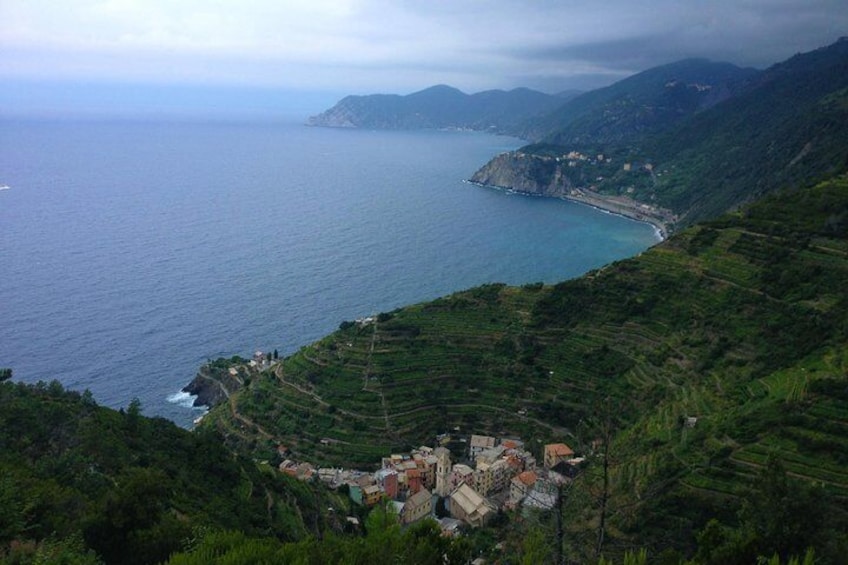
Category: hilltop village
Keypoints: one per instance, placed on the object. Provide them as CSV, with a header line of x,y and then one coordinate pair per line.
x,y
430,482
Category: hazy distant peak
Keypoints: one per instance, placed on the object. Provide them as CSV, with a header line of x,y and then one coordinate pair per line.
x,y
439,89
438,107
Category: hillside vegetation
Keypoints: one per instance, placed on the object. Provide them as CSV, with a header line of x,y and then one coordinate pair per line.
x,y
80,483
698,148
740,323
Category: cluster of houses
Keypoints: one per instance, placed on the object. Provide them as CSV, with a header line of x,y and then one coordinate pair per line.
x,y
496,475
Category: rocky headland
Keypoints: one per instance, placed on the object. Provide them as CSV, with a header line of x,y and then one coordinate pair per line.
x,y
214,383
537,175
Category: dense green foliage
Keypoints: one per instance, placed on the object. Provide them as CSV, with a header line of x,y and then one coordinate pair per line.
x,y
789,128
644,103
740,323
81,481
385,542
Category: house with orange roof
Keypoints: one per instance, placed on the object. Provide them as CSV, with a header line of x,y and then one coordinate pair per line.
x,y
521,484
557,453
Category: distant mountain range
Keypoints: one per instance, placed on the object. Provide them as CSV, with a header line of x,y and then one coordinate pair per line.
x,y
441,107
644,102
689,140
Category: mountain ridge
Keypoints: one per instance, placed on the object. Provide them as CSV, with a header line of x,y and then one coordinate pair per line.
x,y
439,107
785,126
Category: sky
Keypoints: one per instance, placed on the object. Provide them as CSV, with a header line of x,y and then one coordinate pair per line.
x,y
134,52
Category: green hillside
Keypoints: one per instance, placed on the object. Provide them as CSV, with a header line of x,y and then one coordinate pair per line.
x,y
694,151
788,129
741,323
80,483
647,102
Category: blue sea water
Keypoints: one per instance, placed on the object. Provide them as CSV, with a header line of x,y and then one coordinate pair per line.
x,y
131,252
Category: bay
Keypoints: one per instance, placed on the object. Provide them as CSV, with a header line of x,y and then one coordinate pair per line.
x,y
132,252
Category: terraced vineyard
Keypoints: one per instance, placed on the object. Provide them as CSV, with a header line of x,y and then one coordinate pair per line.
x,y
708,354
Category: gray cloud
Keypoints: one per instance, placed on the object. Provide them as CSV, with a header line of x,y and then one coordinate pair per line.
x,y
390,46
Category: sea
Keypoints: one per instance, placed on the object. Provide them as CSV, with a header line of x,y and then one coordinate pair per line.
x,y
131,252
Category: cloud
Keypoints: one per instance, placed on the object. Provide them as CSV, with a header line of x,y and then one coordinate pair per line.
x,y
399,46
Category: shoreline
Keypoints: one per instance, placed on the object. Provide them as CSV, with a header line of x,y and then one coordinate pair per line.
x,y
629,211
658,218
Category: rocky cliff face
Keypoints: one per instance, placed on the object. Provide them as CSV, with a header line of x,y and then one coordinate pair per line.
x,y
339,116
546,176
212,386
522,172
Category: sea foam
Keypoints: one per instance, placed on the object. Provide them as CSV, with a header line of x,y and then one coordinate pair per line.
x,y
184,399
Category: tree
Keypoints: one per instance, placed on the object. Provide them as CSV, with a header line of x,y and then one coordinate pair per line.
x,y
133,415
5,374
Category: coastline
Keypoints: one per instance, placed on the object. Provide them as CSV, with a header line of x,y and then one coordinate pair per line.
x,y
660,219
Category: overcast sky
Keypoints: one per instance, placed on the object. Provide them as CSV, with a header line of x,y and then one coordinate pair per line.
x,y
364,46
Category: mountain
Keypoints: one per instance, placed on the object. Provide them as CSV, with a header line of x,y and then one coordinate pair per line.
x,y
689,151
440,107
647,102
787,129
700,361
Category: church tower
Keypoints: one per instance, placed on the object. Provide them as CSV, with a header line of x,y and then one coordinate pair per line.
x,y
443,470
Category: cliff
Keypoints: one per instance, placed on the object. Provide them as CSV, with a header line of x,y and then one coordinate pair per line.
x,y
538,175
214,383
525,173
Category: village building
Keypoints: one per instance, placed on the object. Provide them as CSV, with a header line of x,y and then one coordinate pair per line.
x,y
480,443
542,496
521,485
467,505
490,455
484,479
413,481
429,471
503,472
416,507
508,444
557,452
388,481
371,495
443,471
461,473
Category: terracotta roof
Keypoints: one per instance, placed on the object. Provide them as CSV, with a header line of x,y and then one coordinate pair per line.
x,y
558,449
527,477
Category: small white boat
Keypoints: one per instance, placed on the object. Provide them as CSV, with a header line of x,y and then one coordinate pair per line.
x,y
5,187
